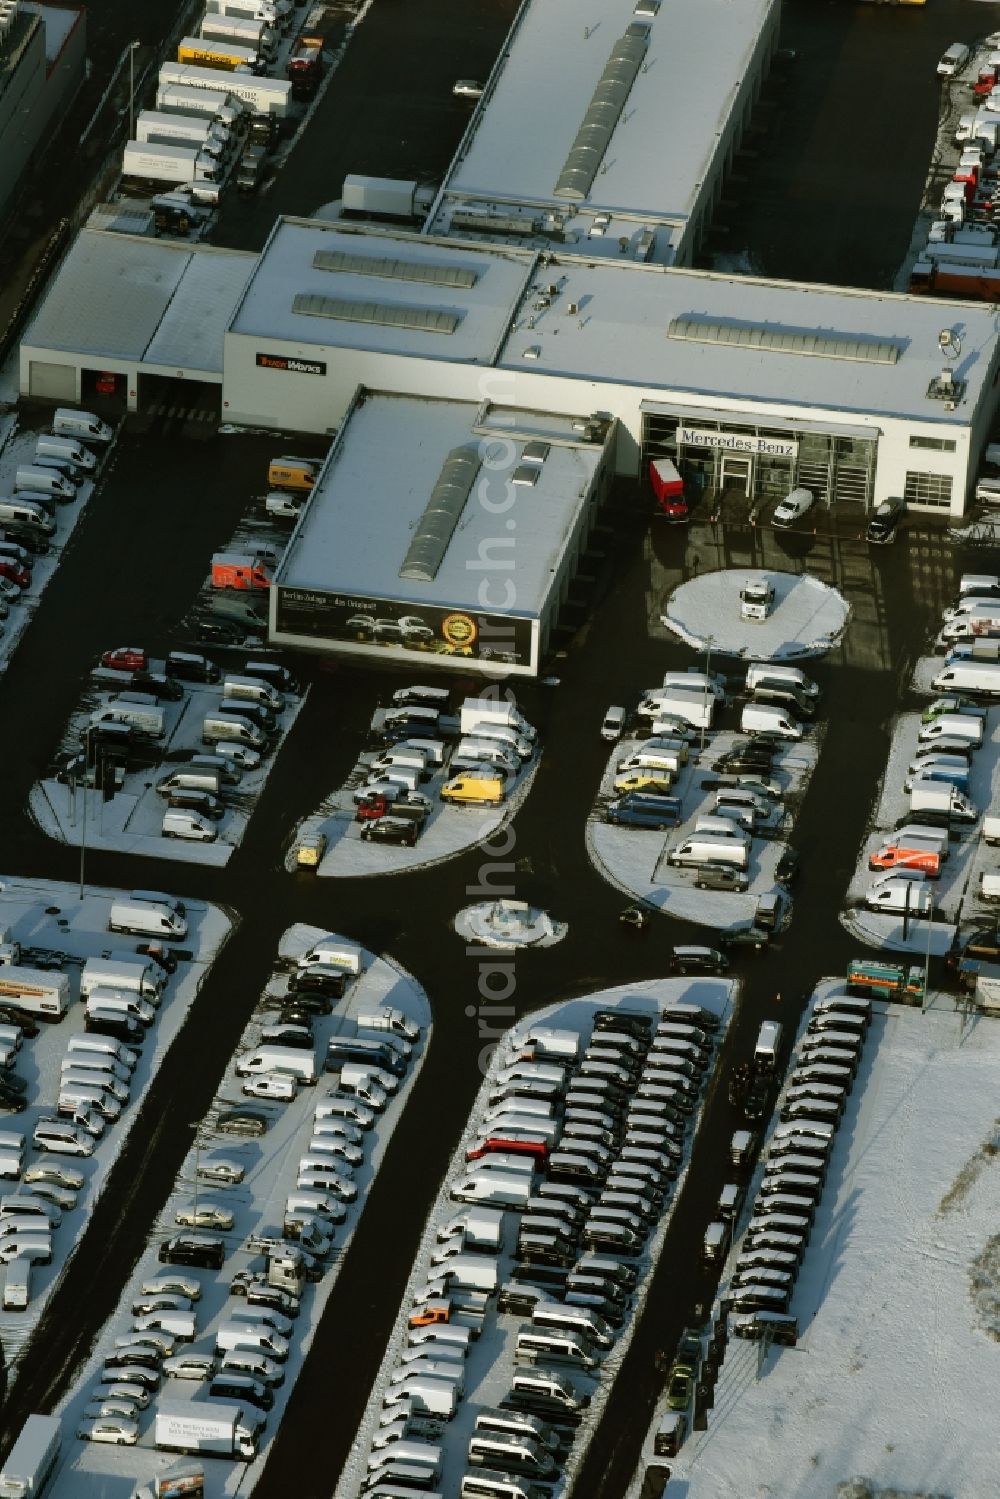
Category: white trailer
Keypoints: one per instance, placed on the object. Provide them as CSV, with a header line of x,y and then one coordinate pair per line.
x,y
244,31
275,12
174,164
264,96
31,1459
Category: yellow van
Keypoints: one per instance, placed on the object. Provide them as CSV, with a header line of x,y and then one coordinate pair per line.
x,y
309,850
292,473
473,790
644,780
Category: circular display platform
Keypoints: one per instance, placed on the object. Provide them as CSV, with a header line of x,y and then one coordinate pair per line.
x,y
804,618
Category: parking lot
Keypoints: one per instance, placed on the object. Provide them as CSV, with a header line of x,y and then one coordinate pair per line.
x,y
901,1246
236,1187
59,934
525,1272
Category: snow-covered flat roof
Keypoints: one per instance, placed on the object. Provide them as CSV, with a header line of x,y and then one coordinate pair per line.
x,y
381,292
697,54
131,297
709,335
357,528
893,1377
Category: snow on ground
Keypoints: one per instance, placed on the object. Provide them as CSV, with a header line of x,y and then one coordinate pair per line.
x,y
508,925
635,859
89,1469
50,919
448,829
491,1358
955,893
808,617
17,446
131,821
897,1296
924,673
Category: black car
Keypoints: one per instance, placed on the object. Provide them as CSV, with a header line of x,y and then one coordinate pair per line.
x,y
242,1122
10,1082
11,1102
744,760
120,1027
391,830
9,1016
786,870
188,666
303,1005
296,1036
758,1097
27,537
202,802
393,733
248,1391
217,631
697,960
885,521
638,1026
199,1250
136,1356
158,685
720,877
318,978
271,671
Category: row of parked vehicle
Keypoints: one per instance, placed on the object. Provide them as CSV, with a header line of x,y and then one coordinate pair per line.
x,y
584,1145
62,461
794,1169
475,753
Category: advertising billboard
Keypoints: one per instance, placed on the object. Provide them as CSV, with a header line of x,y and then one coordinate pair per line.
x,y
430,628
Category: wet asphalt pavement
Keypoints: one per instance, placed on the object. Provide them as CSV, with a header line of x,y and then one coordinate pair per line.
x,y
141,553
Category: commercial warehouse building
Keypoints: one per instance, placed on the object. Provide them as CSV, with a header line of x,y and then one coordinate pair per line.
x,y
610,131
42,65
442,530
748,384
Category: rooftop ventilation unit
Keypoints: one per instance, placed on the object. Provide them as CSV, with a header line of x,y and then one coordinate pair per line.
x,y
429,272
535,452
786,340
945,388
441,515
526,474
587,151
647,8
382,314
494,223
8,16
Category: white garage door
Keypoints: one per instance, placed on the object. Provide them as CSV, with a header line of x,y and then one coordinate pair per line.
x,y
52,382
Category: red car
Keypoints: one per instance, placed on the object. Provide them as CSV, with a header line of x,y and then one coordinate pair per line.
x,y
371,808
126,658
537,1148
106,383
15,572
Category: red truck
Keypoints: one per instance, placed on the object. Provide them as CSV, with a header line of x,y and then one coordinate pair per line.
x,y
234,570
305,66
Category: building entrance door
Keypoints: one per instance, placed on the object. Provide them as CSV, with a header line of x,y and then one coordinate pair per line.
x,y
735,474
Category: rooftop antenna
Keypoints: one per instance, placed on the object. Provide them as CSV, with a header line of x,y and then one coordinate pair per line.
x,y
950,343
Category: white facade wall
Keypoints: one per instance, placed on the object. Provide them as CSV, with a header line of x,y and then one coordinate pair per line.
x,y
318,404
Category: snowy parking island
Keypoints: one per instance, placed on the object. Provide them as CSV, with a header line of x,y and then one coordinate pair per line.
x,y
53,925
955,894
889,1387
490,1362
131,821
807,617
508,925
257,1202
636,859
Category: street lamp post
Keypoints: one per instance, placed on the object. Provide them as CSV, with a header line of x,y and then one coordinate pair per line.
x,y
83,830
132,48
196,1126
709,642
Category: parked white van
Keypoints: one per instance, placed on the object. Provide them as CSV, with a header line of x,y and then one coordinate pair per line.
x,y
44,481
146,919
764,673
900,895
710,848
190,825
65,450
83,425
761,718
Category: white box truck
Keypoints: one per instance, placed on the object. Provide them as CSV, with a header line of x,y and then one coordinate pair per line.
x,y
208,104
214,1430
243,31
693,707
31,1459
262,96
277,13
199,132
938,796
176,164
147,721
477,710
130,975
36,991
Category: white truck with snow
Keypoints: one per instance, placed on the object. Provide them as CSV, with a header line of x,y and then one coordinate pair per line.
x,y
30,1461
241,31
938,796
208,1430
36,991
147,918
145,717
